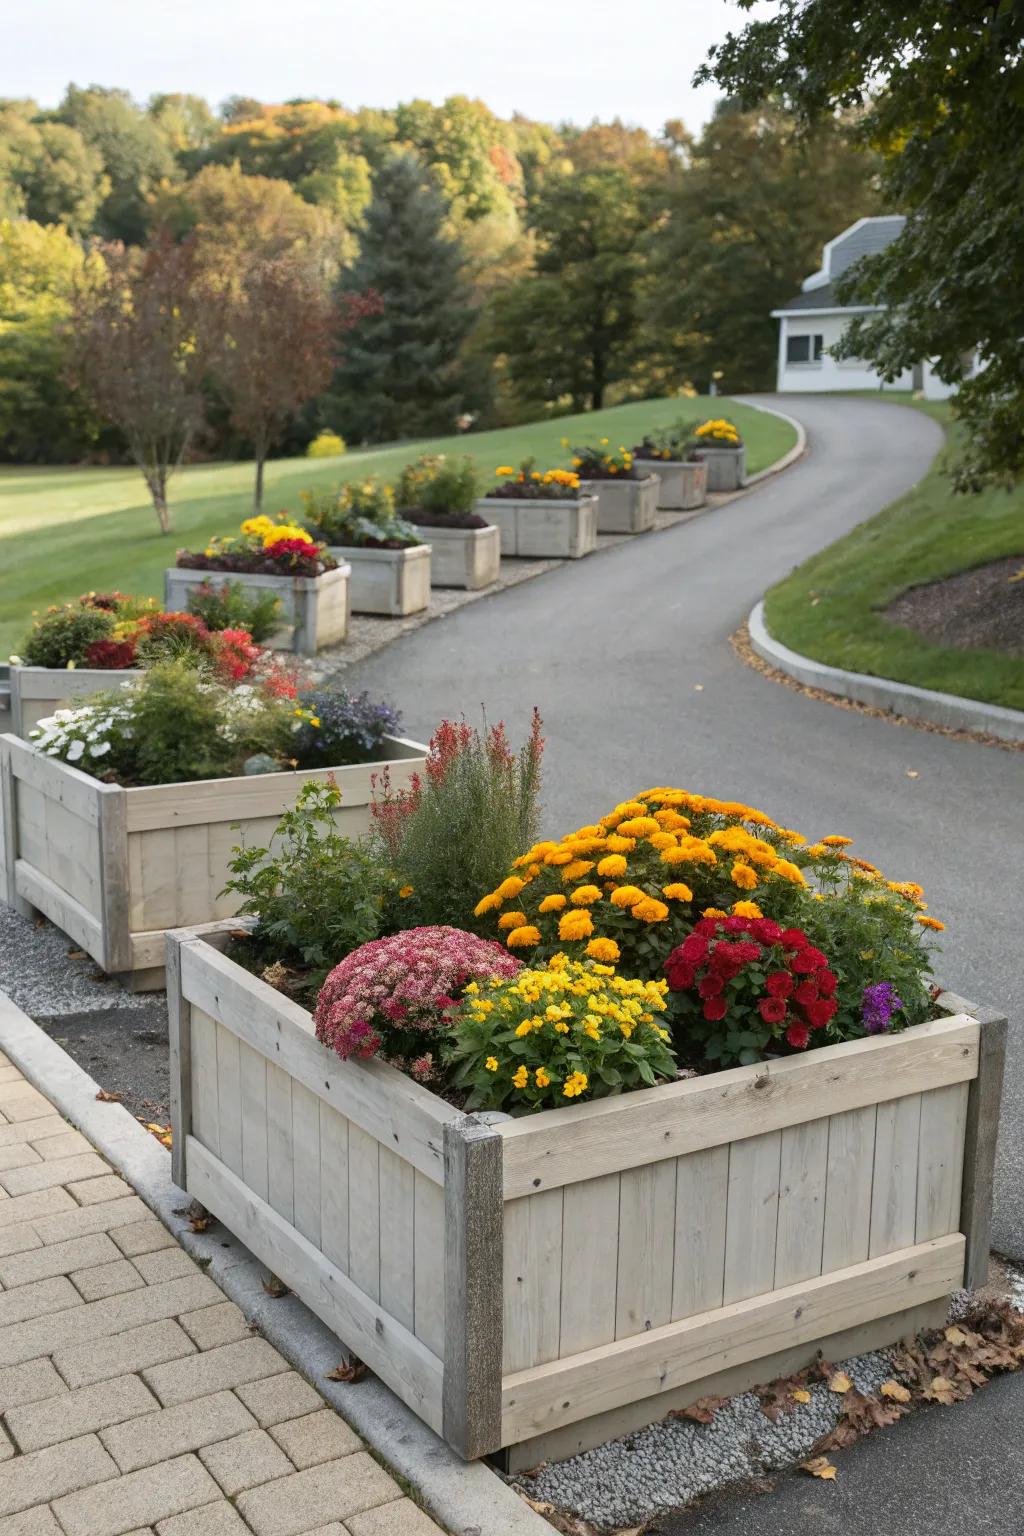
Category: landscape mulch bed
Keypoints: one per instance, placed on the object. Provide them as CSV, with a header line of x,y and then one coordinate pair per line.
x,y
982,608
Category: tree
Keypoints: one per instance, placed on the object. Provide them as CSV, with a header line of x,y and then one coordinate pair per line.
x,y
940,88
234,218
139,346
568,327
47,171
745,223
470,153
276,325
401,374
137,155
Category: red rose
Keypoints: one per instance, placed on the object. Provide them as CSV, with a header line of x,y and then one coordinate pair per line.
x,y
819,1013
772,1009
746,952
693,948
735,925
679,976
714,1008
806,993
793,938
826,983
707,926
797,1035
779,984
766,929
802,963
820,960
710,985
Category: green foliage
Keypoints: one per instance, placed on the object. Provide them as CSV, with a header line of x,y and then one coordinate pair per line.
x,y
136,155
939,88
470,152
230,605
187,728
315,895
437,483
359,512
47,171
63,635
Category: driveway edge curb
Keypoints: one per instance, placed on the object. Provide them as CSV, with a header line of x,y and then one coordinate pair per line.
x,y
797,451
942,709
468,1498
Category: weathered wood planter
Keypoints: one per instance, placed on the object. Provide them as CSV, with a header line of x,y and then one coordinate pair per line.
x,y
564,528
547,1282
314,609
115,868
37,691
463,557
683,482
727,467
395,582
624,506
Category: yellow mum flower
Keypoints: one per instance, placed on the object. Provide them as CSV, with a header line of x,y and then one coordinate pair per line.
x,y
677,891
541,1078
509,888
650,910
487,904
406,890
627,896
577,869
491,1063
837,842
553,903
521,1077
790,872
511,920
575,925
930,922
746,909
585,895
504,469
605,950
522,938
575,1085
638,826
742,875
611,867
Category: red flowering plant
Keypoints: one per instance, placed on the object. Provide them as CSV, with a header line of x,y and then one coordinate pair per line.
x,y
111,655
739,987
393,997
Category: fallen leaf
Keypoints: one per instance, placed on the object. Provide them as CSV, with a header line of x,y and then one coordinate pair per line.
x,y
941,1391
275,1287
801,1395
106,1097
76,954
895,1390
839,1383
700,1412
819,1466
354,1371
199,1217
955,1335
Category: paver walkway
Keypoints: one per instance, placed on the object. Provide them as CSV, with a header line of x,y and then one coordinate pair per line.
x,y
133,1396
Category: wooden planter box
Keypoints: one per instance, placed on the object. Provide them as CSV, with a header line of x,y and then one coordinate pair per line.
x,y
727,467
395,582
624,506
314,609
560,529
544,1283
38,691
464,557
683,482
115,868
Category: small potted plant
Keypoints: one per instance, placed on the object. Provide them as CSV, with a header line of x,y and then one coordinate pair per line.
x,y
389,561
541,515
279,558
720,446
683,477
627,498
437,495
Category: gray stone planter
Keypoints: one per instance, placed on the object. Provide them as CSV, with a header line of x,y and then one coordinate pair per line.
x,y
463,557
394,582
314,609
38,691
624,506
564,528
684,482
727,467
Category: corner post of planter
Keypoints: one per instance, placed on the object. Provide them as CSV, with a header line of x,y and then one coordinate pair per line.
x,y
179,1021
114,897
473,1307
980,1135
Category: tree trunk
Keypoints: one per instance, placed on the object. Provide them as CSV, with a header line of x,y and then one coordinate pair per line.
x,y
257,495
158,491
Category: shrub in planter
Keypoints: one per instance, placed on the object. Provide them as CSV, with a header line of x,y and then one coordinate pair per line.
x,y
436,491
394,997
170,636
455,827
564,1031
265,548
361,514
227,605
344,728
64,637
717,433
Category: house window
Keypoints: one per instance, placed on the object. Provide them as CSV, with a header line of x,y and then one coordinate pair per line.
x,y
804,349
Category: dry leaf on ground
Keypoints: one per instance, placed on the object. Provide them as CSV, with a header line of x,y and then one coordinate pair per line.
x,y
896,1390
819,1466
106,1097
354,1371
700,1412
839,1382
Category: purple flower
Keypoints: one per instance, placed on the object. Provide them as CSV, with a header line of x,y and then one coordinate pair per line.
x,y
879,1004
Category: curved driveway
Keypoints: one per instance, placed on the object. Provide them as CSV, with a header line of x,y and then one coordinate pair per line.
x,y
627,655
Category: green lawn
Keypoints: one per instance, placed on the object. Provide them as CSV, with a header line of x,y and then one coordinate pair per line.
x,y
832,607
67,531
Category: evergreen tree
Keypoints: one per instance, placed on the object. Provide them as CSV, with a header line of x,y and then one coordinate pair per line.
x,y
401,373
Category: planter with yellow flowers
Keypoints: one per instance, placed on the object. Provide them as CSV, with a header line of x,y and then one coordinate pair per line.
x,y
541,514
437,495
683,478
627,496
719,445
390,563
281,558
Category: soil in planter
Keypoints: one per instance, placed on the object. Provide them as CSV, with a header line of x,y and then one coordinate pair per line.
x,y
445,519
252,565
982,608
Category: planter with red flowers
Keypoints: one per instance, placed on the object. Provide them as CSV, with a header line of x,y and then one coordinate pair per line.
x,y
711,1118
279,560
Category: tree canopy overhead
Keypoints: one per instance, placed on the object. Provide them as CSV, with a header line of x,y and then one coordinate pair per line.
x,y
939,90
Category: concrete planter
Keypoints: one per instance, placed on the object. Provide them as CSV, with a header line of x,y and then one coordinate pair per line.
x,y
727,467
463,557
561,529
624,506
36,692
115,868
314,609
394,582
683,482
544,1283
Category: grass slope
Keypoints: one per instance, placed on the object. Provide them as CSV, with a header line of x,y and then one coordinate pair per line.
x,y
66,531
832,608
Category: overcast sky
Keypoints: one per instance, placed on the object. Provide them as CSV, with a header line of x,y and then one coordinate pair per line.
x,y
551,59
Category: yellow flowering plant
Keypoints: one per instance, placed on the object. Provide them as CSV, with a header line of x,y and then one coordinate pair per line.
x,y
530,483
265,547
550,1036
603,462
717,433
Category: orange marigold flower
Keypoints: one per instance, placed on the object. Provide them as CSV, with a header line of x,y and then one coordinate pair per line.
x,y
576,924
714,912
638,826
558,856
553,903
650,910
930,922
577,869
837,842
626,896
611,867
743,876
789,872
585,895
677,891
605,950
523,938
746,909
510,888
661,840
511,920
487,904
617,844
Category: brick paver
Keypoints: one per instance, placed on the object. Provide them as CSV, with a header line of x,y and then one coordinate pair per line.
x,y
134,1398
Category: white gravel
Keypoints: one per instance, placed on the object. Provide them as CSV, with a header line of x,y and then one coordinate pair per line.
x,y
671,1463
38,974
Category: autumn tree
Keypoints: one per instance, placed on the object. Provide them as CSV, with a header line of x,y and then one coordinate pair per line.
x,y
135,152
48,173
139,348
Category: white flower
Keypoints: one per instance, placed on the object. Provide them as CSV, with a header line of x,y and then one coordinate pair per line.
x,y
75,750
101,749
15,661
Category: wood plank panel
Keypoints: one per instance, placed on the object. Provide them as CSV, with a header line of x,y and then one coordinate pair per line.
x,y
364,1211
398,1237
702,1194
229,1099
47,897
643,1291
159,873
940,1161
255,1161
590,1227
894,1188
334,1186
280,1155
428,1299
31,815
193,896
563,1391
851,1158
752,1213
801,1226
58,781
306,1162
631,1130
532,1279
205,1111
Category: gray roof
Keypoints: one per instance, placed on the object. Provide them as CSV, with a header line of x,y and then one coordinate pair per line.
x,y
864,238
815,298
